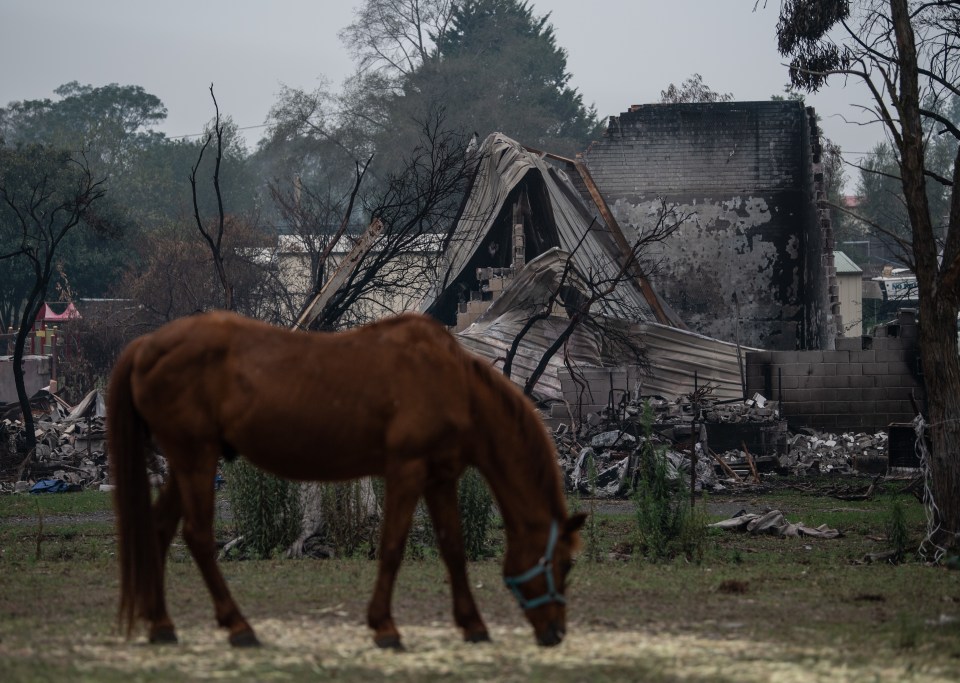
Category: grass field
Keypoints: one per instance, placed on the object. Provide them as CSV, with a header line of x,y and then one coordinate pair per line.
x,y
755,609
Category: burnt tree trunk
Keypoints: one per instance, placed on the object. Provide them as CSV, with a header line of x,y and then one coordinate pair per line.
x,y
941,374
937,291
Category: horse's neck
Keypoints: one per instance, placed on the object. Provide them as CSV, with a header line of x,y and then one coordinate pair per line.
x,y
527,490
514,454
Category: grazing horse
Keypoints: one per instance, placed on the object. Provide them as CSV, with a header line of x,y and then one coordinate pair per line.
x,y
399,399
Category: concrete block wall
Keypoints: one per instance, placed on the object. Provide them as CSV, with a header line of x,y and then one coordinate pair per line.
x,y
863,385
742,174
36,375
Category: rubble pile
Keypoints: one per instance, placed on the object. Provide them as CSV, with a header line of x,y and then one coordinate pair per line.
x,y
736,443
70,444
812,453
609,465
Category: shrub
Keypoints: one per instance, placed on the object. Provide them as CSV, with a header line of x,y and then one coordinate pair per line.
x,y
266,510
475,503
667,526
591,531
347,513
897,534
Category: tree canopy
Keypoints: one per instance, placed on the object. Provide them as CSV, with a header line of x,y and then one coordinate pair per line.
x,y
693,90
490,65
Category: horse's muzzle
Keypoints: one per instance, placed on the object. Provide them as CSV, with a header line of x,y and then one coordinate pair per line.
x,y
552,635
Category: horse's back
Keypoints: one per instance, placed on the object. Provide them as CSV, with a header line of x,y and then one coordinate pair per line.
x,y
345,402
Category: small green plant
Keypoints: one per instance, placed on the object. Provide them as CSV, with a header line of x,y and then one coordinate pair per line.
x,y
266,509
347,511
475,504
666,524
591,531
897,534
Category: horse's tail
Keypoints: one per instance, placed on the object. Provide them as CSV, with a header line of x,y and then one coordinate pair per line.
x,y
127,434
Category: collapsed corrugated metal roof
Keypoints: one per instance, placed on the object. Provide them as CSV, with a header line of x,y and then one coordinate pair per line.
x,y
680,361
675,361
554,215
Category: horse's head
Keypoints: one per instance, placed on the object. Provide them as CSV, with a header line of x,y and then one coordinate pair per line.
x,y
536,573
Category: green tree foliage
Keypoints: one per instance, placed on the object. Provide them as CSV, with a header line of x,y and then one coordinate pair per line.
x,y
145,175
110,123
693,90
490,65
109,127
498,68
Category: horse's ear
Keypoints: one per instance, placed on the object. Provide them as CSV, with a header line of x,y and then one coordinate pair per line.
x,y
575,522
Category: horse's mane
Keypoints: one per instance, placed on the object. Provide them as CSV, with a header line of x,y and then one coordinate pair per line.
x,y
517,409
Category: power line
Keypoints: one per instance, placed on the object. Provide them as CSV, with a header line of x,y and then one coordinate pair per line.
x,y
198,135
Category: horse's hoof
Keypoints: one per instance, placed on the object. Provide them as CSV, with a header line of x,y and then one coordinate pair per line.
x,y
478,637
163,635
391,642
245,638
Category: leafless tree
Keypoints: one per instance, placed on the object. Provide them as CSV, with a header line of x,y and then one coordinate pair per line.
x,y
397,259
316,221
395,36
213,236
45,194
174,277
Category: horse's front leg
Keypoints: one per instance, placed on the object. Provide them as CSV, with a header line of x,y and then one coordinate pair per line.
x,y
403,489
441,500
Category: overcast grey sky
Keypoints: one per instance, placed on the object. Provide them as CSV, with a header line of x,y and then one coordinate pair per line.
x,y
620,52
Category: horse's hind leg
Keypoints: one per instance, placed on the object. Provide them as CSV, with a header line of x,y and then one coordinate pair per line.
x,y
167,511
196,490
441,500
400,501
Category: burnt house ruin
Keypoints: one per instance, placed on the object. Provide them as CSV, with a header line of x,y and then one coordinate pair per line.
x,y
756,259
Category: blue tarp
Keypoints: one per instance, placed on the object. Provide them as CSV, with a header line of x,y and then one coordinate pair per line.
x,y
53,486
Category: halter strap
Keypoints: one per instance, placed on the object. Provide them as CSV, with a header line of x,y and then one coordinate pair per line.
x,y
543,566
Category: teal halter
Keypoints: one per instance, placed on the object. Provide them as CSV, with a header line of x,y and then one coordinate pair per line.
x,y
543,566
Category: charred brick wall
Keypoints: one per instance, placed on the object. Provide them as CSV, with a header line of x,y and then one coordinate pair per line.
x,y
865,384
742,173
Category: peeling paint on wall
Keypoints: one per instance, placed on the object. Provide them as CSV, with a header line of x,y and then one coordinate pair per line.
x,y
721,251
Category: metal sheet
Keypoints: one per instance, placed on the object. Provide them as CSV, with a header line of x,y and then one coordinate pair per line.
x,y
679,359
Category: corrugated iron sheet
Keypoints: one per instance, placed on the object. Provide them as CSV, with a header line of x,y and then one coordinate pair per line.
x,y
492,341
679,359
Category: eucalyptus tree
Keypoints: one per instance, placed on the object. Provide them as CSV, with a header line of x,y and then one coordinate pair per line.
x,y
907,54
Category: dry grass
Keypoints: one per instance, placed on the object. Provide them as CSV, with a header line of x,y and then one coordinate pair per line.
x,y
756,609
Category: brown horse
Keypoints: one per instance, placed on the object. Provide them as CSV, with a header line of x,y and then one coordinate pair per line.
x,y
399,399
